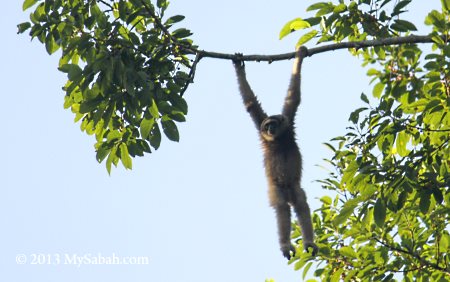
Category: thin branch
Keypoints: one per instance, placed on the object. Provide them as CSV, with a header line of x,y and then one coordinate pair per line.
x,y
414,255
157,21
191,76
106,4
316,50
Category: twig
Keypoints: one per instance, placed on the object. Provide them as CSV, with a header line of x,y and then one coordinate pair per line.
x,y
414,255
191,76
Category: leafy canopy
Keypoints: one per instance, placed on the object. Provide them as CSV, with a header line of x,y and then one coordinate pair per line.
x,y
389,218
126,70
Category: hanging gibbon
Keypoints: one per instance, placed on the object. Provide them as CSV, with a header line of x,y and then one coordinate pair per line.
x,y
282,158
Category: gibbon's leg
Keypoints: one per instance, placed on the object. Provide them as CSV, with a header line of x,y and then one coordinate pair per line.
x,y
301,208
279,201
283,212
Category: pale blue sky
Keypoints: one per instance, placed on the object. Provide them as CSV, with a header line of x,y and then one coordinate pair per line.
x,y
197,209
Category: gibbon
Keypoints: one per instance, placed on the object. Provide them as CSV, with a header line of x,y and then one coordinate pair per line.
x,y
282,158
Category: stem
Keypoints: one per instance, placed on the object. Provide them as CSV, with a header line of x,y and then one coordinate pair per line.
x,y
414,255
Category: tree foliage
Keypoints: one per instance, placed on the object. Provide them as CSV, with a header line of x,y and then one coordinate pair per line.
x,y
389,218
127,70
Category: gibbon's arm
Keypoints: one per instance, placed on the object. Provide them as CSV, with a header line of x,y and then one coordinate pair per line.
x,y
251,103
292,100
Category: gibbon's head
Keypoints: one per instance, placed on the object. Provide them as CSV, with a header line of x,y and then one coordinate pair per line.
x,y
273,126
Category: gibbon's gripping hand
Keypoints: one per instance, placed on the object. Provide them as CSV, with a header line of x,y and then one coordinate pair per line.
x,y
238,63
314,247
302,52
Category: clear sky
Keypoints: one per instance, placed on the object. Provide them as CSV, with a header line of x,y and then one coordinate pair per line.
x,y
197,209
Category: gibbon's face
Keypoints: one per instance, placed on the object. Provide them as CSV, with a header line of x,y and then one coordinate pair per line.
x,y
273,126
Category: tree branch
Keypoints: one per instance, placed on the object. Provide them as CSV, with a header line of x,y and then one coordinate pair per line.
x,y
316,50
414,255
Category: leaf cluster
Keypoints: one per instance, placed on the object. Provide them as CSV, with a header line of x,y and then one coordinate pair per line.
x,y
351,20
126,70
390,214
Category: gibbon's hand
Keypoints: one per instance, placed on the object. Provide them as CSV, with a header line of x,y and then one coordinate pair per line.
x,y
237,62
302,52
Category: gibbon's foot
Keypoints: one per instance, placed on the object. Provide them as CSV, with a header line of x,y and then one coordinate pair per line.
x,y
314,247
286,250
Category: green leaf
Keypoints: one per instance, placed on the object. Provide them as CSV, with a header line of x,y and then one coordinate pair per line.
x,y
340,8
379,212
445,5
174,19
337,275
326,200
345,212
354,116
437,195
402,197
401,142
306,269
385,143
348,252
99,16
50,44
181,33
73,71
113,136
27,4
329,146
403,26
177,116
318,6
287,28
102,152
125,156
135,150
364,98
23,27
373,72
326,10
435,18
162,3
313,20
89,106
112,157
398,8
155,137
424,203
146,127
153,109
378,89
178,102
170,130
349,173
444,243
299,24
145,146
306,37
367,220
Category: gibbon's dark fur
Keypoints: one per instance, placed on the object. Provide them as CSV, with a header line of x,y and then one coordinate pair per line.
x,y
282,158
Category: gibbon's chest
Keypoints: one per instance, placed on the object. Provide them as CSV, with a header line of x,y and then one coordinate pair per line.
x,y
282,161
